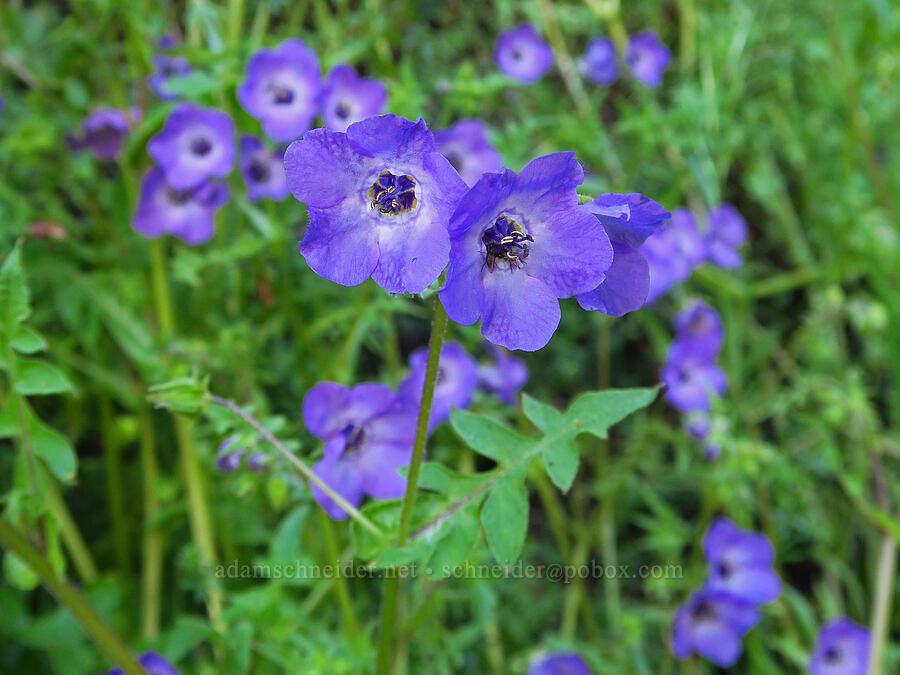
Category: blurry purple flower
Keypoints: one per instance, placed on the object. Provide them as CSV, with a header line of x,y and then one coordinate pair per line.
x,y
166,41
467,147
349,98
691,380
713,624
195,144
165,68
380,198
558,663
505,376
647,58
522,54
726,232
511,255
368,436
740,563
103,133
263,170
258,462
187,214
457,379
228,458
599,62
712,451
842,648
673,254
628,220
153,663
698,425
281,89
698,328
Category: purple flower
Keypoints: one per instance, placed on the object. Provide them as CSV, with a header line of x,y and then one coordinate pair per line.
x,y
522,55
712,624
187,214
711,451
467,147
195,144
104,132
505,376
380,198
165,68
698,328
517,245
740,563
647,58
228,458
263,170
628,220
558,663
726,232
698,425
153,663
349,98
258,462
368,436
842,648
457,379
599,62
674,253
281,89
691,379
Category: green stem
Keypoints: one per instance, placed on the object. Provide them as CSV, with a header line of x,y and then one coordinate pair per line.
x,y
68,529
108,642
884,593
151,568
351,626
160,286
115,501
235,22
564,62
391,584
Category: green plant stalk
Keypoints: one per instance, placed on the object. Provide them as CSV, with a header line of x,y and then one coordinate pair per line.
x,y
68,530
391,584
235,22
348,618
102,635
884,593
153,545
564,61
112,466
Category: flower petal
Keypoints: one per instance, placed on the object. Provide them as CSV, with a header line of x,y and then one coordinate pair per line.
x,y
626,284
520,311
323,169
339,249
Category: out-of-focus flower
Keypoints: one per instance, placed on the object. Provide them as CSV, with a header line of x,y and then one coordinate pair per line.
x,y
505,376
187,214
842,648
380,198
228,457
281,89
166,67
647,58
457,379
103,133
713,624
258,462
195,144
263,170
599,62
368,436
467,147
628,220
518,244
522,54
698,329
698,425
674,253
349,98
558,663
691,380
740,563
726,232
153,663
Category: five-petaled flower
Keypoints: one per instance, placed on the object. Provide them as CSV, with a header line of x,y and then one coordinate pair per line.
x,y
740,563
842,648
467,147
522,54
349,98
713,624
263,170
457,379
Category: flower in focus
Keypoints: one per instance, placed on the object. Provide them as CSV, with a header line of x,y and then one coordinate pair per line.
x,y
673,254
195,144
726,231
166,67
599,62
691,379
647,58
281,89
522,54
713,624
457,379
698,328
842,648
628,220
263,170
349,98
368,436
187,214
518,244
103,133
504,377
740,563
467,147
558,663
153,663
380,197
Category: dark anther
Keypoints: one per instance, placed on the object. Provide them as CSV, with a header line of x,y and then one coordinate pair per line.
x,y
258,171
393,195
201,146
504,241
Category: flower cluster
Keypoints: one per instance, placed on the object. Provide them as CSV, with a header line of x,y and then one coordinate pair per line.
x,y
646,57
690,373
741,578
842,648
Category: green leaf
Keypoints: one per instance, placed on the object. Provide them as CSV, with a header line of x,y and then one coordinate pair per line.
x,y
27,341
13,292
39,377
455,547
53,448
286,542
545,417
186,395
504,517
438,478
561,461
488,437
195,85
597,411
418,549
9,421
18,574
238,648
385,515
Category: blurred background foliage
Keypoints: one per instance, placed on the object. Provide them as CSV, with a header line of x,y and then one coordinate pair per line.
x,y
787,110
